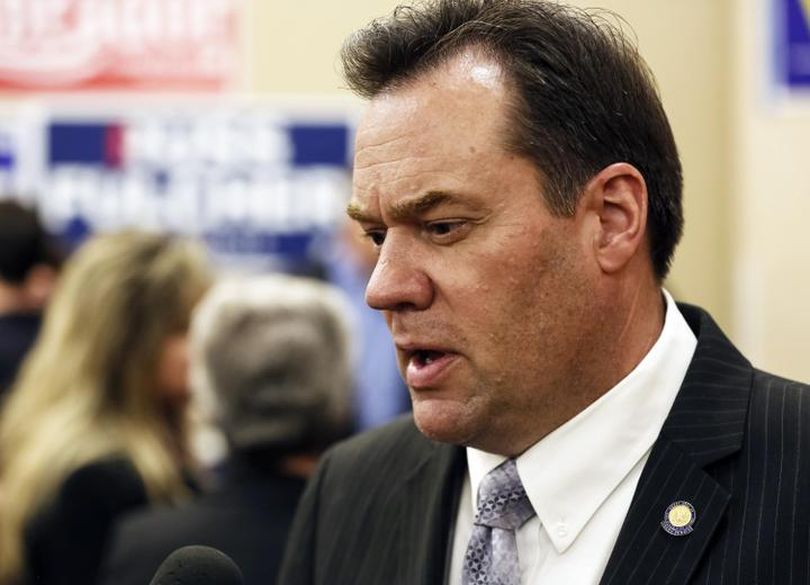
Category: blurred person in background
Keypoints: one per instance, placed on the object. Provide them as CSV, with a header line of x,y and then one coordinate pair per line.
x,y
29,262
95,424
380,395
273,354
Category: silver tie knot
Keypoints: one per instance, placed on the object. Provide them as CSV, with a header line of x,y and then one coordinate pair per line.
x,y
503,507
502,501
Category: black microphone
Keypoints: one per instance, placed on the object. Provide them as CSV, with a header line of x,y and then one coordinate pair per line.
x,y
197,565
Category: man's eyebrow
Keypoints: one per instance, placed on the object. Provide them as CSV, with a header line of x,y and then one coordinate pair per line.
x,y
403,210
357,213
408,208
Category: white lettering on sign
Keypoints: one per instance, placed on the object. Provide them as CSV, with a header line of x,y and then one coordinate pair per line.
x,y
108,42
208,139
296,200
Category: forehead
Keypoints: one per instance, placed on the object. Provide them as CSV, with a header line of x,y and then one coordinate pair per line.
x,y
433,131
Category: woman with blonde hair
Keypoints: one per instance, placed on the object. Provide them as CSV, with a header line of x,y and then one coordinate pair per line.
x,y
95,425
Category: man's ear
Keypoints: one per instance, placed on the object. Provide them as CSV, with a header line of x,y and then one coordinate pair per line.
x,y
617,196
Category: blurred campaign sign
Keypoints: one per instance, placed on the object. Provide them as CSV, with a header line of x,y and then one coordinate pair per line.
x,y
258,183
71,45
793,43
8,156
19,144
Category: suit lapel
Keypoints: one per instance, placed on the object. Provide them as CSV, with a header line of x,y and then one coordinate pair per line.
x,y
705,425
428,501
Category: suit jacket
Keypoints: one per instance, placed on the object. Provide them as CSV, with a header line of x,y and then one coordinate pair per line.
x,y
65,541
736,445
248,519
18,331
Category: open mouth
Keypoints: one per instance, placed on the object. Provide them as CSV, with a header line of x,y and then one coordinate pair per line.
x,y
425,357
425,367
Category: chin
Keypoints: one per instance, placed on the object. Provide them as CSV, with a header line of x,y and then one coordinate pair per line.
x,y
444,421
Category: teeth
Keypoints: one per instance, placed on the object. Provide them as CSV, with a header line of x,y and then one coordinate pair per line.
x,y
425,357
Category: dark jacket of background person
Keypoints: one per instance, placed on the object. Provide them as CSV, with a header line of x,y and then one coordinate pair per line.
x,y
29,260
95,424
81,514
248,518
380,395
272,356
18,331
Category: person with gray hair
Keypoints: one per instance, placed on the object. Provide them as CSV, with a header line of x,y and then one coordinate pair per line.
x,y
271,354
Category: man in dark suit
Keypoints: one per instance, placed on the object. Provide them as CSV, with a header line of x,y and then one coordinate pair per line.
x,y
518,177
272,354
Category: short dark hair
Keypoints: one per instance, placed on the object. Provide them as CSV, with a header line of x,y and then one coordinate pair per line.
x,y
584,97
24,243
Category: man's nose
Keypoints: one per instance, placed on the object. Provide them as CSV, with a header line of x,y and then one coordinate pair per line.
x,y
399,281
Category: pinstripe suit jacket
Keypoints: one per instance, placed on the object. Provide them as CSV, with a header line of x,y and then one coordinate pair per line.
x,y
736,444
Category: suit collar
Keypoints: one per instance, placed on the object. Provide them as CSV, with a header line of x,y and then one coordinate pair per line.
x,y
708,418
706,424
427,499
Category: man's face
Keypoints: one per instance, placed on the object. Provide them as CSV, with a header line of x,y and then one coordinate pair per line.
x,y
486,293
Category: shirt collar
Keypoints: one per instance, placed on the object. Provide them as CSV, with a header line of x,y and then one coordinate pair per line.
x,y
570,473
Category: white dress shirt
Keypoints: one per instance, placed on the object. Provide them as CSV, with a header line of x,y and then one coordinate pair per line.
x,y
581,477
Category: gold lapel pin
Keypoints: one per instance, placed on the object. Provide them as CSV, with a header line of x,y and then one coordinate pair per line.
x,y
679,518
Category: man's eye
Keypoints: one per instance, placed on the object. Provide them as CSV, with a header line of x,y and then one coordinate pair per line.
x,y
441,228
445,228
377,237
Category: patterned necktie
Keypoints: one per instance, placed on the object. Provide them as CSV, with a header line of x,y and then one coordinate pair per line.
x,y
503,507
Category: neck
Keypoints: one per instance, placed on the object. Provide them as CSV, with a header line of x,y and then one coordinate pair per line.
x,y
13,299
634,318
640,325
299,465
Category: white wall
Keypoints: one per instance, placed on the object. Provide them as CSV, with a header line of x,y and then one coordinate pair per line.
x,y
771,186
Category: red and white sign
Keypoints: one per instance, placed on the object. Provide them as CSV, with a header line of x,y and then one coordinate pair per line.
x,y
69,45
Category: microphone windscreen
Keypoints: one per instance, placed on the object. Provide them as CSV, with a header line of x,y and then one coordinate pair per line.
x,y
197,565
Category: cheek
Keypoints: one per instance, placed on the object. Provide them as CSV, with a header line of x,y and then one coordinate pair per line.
x,y
532,299
173,369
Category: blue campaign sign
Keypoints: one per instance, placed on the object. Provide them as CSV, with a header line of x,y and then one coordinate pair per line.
x,y
793,43
258,184
6,154
9,154
6,164
319,144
